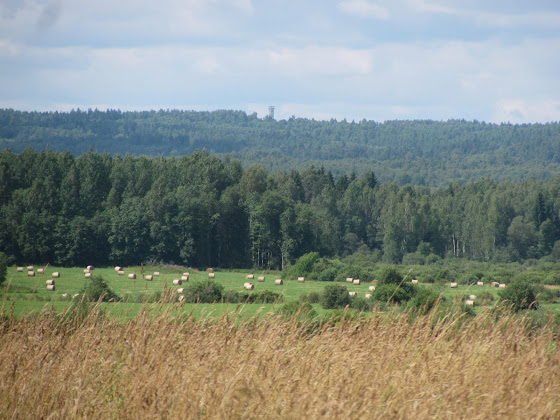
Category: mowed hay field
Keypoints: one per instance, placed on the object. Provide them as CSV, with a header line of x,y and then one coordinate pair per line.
x,y
65,365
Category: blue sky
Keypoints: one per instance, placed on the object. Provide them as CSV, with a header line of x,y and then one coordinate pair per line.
x,y
380,60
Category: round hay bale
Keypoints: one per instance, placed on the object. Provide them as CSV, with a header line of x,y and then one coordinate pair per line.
x,y
40,271
261,278
20,269
132,276
502,286
118,268
50,282
56,274
149,277
494,284
356,281
86,270
181,298
249,286
65,295
371,288
352,293
472,297
181,290
185,278
250,276
156,273
480,283
88,275
90,267
120,273
30,268
414,281
50,287
75,296
211,275
209,270
177,282
368,295
186,274
31,273
454,285
469,302
246,284
301,279
349,279
278,282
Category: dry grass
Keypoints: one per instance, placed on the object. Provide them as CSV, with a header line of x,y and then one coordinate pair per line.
x,y
64,366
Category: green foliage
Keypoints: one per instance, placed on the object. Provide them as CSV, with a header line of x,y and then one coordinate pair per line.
x,y
390,275
361,304
335,296
203,291
425,299
393,293
3,267
96,289
520,295
303,310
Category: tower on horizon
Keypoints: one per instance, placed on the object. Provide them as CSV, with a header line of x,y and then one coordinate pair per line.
x,y
271,111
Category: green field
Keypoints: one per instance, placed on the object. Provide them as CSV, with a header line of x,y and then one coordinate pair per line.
x,y
23,294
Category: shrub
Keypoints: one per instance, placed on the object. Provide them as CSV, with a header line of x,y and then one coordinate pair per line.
x,y
3,267
302,309
390,276
96,288
520,295
424,300
393,293
335,296
484,298
304,265
361,304
432,259
311,297
264,296
413,259
203,291
327,275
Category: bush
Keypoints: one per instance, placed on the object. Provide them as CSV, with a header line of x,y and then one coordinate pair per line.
x,y
413,259
327,275
520,295
361,304
484,298
311,297
3,267
393,293
295,307
204,291
390,276
97,289
432,259
335,296
424,300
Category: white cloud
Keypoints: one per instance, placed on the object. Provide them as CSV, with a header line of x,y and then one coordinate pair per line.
x,y
364,9
521,111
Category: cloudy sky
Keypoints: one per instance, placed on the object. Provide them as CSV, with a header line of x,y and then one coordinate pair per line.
x,y
496,60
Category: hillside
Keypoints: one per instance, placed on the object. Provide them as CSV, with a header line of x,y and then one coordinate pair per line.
x,y
409,152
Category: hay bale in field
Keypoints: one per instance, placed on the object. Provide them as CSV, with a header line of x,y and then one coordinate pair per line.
x,y
261,278
368,295
371,288
245,284
454,285
469,302
120,273
480,283
249,286
250,276
177,282
356,281
278,282
181,290
56,274
414,281
75,296
181,298
209,270
352,293
30,268
50,282
90,267
65,295
118,268
211,275
494,284
20,269
149,277
156,273
86,271
132,276
50,287
349,279
184,278
502,286
88,275
40,271
472,297
301,279
186,274
31,273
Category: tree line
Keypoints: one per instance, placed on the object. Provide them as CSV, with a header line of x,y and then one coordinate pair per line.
x,y
428,153
203,210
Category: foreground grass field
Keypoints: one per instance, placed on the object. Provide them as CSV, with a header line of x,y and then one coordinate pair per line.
x,y
69,365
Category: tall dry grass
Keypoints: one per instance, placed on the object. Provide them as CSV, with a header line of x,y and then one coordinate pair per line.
x,y
91,366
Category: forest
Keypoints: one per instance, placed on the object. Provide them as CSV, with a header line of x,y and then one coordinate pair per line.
x,y
425,153
202,210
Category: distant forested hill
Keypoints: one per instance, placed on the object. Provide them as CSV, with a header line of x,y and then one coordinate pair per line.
x,y
427,153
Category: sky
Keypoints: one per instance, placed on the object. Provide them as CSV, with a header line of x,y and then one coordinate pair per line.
x,y
495,61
